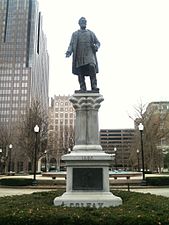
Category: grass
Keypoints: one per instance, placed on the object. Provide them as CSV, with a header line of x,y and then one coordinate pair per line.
x,y
38,209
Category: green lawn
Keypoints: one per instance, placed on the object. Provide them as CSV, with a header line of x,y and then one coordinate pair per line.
x,y
38,209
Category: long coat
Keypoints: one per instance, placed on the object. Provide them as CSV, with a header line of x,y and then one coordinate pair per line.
x,y
73,49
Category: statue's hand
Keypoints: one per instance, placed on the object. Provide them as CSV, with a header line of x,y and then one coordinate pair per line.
x,y
94,47
68,54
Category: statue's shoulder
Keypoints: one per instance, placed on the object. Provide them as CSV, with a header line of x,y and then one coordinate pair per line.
x,y
90,31
75,33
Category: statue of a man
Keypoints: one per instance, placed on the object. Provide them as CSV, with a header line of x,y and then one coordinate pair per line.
x,y
84,45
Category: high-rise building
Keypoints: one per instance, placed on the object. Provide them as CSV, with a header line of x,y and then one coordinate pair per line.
x,y
119,142
61,128
24,71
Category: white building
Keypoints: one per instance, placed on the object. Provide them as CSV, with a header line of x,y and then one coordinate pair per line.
x,y
61,129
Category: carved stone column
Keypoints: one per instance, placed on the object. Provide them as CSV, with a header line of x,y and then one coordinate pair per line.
x,y
86,124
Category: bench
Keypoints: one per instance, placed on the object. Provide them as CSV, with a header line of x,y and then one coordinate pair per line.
x,y
54,175
129,175
125,175
10,173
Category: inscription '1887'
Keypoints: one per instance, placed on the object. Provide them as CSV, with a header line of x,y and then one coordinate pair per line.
x,y
87,157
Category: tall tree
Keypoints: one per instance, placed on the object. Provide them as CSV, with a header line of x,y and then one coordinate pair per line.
x,y
35,115
5,140
156,128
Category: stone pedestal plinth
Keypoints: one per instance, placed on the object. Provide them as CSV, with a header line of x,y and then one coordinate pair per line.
x,y
87,165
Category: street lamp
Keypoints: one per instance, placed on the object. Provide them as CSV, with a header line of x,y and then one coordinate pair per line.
x,y
115,151
141,128
138,159
69,150
10,161
0,160
36,130
45,153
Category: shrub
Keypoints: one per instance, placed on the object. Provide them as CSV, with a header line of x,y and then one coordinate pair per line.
x,y
38,209
16,182
157,181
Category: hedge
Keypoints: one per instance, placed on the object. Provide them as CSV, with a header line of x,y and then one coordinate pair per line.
x,y
16,182
38,209
157,181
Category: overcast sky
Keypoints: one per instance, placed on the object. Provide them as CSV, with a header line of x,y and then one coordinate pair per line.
x,y
133,57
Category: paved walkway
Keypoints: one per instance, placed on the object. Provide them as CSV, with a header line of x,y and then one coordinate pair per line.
x,y
155,191
18,191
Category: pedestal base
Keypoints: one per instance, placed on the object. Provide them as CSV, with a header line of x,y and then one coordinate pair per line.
x,y
88,199
87,183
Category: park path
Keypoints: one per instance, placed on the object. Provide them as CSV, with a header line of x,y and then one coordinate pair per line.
x,y
18,191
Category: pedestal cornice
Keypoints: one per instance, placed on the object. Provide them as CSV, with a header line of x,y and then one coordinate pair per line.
x,y
86,101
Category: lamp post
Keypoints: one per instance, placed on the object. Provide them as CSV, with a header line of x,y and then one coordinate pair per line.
x,y
138,159
36,130
115,151
10,161
45,153
141,128
69,150
0,160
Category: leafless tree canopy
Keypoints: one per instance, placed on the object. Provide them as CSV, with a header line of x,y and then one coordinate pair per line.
x,y
35,115
156,129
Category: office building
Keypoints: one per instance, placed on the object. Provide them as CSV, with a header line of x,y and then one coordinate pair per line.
x,y
23,59
118,142
61,129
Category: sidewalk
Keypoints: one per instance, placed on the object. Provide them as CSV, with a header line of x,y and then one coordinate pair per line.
x,y
20,191
155,191
5,191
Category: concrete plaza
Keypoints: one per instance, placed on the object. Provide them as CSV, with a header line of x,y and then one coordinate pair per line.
x,y
21,191
9,191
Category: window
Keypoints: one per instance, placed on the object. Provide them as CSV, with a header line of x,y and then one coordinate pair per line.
x,y
24,91
23,98
24,77
16,84
24,84
16,77
16,91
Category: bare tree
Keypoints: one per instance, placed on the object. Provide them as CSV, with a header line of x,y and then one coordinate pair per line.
x,y
35,115
60,141
5,140
153,133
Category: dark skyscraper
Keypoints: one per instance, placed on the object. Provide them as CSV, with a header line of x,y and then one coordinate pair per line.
x,y
24,66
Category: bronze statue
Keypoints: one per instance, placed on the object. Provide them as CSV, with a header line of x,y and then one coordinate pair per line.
x,y
84,45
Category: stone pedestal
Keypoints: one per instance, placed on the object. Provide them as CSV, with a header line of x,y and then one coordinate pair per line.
x,y
87,182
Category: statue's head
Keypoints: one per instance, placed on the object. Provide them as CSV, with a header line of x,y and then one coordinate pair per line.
x,y
82,22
